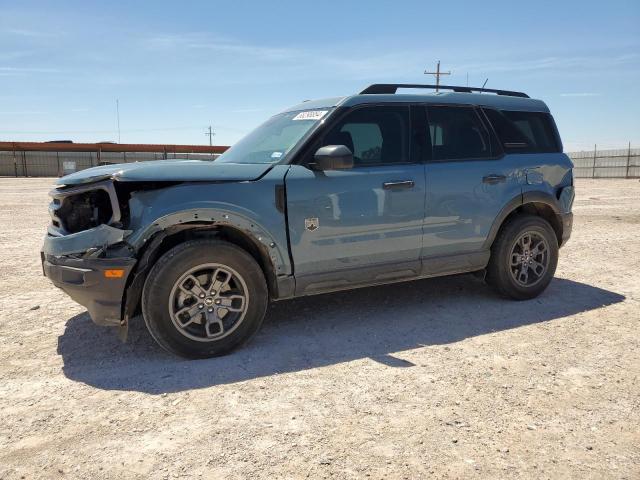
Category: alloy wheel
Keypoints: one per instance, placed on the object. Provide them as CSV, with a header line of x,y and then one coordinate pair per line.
x,y
529,259
208,302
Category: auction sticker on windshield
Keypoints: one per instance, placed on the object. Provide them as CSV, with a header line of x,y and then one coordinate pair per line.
x,y
310,115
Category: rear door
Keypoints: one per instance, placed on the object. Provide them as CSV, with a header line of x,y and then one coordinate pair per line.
x,y
469,181
364,224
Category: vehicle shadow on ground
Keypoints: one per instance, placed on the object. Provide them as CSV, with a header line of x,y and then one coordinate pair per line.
x,y
322,330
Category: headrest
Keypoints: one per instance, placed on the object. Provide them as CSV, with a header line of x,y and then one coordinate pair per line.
x,y
340,138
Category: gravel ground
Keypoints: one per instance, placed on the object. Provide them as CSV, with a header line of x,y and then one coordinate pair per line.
x,y
430,378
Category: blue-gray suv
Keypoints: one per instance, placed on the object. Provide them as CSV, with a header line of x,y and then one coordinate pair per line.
x,y
328,195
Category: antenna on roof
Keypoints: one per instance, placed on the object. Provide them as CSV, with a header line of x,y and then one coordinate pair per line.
x,y
485,82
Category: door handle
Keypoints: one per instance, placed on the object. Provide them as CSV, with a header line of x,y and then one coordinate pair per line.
x,y
494,178
398,185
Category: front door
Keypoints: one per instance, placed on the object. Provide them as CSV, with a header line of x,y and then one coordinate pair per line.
x,y
361,225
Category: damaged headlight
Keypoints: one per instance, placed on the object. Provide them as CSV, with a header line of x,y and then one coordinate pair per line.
x,y
80,208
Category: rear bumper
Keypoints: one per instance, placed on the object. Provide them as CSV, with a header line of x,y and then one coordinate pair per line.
x,y
566,220
83,279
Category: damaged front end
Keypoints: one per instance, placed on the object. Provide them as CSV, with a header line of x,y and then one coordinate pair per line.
x,y
85,252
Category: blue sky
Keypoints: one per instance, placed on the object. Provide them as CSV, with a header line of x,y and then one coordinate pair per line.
x,y
177,67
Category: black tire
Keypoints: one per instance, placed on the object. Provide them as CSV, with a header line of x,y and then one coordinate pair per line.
x,y
163,280
502,276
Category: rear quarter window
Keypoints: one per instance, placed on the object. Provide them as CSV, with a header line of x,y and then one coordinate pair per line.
x,y
524,132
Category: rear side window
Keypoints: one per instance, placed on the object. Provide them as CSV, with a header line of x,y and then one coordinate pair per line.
x,y
457,134
524,132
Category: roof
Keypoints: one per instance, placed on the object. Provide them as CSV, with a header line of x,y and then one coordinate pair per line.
x,y
502,102
483,99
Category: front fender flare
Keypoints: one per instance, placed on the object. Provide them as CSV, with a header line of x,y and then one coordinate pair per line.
x,y
278,254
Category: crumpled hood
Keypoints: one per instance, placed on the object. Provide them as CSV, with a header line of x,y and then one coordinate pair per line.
x,y
168,171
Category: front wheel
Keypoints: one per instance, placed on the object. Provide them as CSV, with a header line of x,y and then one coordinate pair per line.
x,y
524,257
204,298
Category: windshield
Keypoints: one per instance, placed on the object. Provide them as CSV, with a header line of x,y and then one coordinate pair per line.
x,y
271,141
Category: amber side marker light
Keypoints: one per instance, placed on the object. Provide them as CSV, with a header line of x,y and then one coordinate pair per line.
x,y
114,273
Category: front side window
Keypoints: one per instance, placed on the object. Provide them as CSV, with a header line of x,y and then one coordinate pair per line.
x,y
376,135
457,134
274,139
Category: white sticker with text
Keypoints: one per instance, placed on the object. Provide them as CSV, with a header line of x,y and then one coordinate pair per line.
x,y
310,115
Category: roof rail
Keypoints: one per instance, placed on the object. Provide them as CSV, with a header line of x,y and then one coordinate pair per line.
x,y
381,88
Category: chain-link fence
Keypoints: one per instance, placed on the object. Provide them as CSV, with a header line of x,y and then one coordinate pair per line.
x,y
25,163
621,163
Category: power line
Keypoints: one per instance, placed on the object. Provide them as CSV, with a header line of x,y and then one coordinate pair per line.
x,y
118,116
437,74
210,133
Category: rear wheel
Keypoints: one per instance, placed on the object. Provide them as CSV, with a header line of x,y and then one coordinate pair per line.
x,y
204,298
524,257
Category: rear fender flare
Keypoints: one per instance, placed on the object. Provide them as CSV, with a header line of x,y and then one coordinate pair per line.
x,y
515,203
509,208
542,197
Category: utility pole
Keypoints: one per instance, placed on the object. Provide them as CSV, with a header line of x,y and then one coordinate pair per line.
x,y
210,134
118,117
437,74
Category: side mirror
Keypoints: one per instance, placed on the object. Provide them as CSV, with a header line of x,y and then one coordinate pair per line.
x,y
333,157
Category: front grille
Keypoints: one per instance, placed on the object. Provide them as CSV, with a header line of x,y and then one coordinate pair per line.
x,y
80,208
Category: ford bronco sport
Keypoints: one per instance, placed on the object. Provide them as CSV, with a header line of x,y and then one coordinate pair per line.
x,y
328,195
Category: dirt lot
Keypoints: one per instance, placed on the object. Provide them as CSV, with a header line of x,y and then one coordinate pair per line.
x,y
432,378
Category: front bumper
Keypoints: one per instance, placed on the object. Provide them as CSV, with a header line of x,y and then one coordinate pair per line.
x,y
84,280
